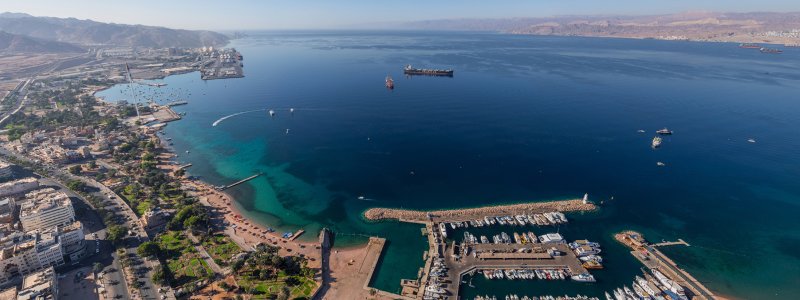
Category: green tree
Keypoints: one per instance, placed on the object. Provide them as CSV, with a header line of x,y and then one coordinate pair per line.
x,y
161,275
116,233
75,169
148,249
97,267
76,185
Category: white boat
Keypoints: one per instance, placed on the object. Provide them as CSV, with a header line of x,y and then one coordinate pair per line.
x,y
595,258
443,229
551,238
585,277
629,292
608,297
645,285
271,113
640,292
619,294
586,250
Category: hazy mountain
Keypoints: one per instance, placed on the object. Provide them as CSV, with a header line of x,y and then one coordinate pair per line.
x,y
708,26
88,32
14,43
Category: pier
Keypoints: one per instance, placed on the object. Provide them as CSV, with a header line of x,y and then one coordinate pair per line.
x,y
665,243
176,103
184,166
296,234
225,187
460,215
651,257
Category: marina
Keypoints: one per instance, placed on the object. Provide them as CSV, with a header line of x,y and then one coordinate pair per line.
x,y
524,257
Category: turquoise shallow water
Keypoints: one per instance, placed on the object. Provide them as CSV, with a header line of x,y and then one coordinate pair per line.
x,y
524,118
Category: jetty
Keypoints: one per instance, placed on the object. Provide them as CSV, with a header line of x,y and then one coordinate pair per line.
x,y
675,243
296,234
652,258
225,187
176,103
460,215
184,166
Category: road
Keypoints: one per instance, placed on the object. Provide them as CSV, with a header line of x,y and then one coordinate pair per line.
x,y
21,99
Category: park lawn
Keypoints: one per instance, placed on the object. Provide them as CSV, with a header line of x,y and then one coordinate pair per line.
x,y
268,287
182,258
142,208
221,248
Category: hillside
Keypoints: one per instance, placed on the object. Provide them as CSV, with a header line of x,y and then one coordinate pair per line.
x,y
699,26
87,32
14,43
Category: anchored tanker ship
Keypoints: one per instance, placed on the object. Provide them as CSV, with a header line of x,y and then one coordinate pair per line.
x,y
409,70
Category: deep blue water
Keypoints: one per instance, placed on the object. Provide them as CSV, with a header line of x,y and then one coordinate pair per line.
x,y
524,118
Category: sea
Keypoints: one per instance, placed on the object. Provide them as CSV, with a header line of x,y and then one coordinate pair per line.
x,y
524,118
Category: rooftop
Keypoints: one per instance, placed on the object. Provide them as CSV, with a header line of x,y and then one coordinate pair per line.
x,y
38,285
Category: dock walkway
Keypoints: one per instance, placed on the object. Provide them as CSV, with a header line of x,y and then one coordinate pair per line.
x,y
225,187
679,242
471,214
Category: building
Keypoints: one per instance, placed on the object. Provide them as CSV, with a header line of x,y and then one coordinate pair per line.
x,y
9,293
155,218
5,170
18,186
25,253
6,211
42,285
45,209
71,238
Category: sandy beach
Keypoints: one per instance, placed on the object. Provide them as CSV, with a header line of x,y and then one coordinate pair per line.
x,y
246,233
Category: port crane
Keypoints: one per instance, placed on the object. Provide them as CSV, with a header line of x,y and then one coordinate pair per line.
x,y
133,92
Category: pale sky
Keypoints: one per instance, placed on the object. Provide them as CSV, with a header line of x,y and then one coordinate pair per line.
x,y
320,14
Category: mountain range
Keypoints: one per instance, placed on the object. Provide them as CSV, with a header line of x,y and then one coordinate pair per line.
x,y
699,26
15,43
92,33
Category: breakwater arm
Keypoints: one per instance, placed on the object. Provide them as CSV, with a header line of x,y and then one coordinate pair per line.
x,y
418,216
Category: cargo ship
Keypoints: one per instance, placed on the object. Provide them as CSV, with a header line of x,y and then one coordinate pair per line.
x,y
409,70
770,51
389,82
750,46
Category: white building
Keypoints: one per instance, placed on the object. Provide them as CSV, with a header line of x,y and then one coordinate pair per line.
x,y
22,254
18,186
42,285
45,209
6,210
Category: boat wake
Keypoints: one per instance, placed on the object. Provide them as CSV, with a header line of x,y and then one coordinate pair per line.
x,y
233,115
